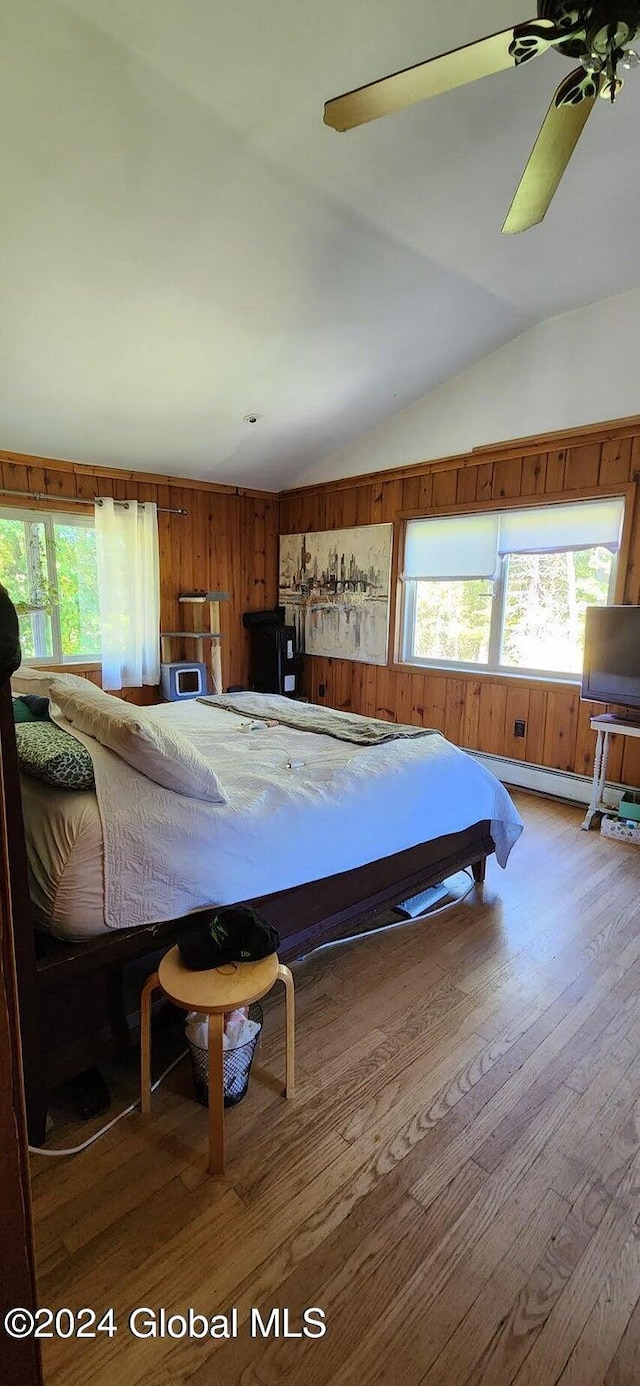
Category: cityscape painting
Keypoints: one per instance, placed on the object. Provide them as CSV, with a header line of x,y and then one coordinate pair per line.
x,y
335,588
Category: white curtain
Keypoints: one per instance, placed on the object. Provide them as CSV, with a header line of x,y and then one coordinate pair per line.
x,y
129,592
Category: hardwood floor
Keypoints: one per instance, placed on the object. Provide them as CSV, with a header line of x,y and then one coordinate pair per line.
x,y
456,1185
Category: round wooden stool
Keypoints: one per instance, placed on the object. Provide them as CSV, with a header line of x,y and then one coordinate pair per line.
x,y
214,992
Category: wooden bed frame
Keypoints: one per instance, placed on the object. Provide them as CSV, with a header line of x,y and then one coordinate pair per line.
x,y
73,1007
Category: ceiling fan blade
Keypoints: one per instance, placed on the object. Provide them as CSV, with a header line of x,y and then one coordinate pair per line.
x,y
561,129
427,79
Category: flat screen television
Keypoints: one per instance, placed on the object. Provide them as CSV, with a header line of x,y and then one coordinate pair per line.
x,y
611,671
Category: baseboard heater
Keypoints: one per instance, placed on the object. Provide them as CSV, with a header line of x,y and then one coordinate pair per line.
x,y
561,784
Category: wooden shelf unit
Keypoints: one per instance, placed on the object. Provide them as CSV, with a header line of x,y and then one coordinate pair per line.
x,y
202,633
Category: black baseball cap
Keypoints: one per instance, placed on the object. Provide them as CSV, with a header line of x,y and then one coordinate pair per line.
x,y
233,933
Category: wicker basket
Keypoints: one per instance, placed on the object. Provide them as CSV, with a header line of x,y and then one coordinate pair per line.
x,y
236,1065
613,826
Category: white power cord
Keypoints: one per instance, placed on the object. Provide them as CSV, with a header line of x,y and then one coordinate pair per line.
x,y
397,923
76,1149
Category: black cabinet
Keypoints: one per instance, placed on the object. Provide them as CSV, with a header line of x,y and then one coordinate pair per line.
x,y
275,667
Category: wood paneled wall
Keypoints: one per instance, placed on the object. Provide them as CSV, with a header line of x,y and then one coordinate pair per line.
x,y
226,542
479,711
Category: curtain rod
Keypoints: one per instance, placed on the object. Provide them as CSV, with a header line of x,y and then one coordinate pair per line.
x,y
75,500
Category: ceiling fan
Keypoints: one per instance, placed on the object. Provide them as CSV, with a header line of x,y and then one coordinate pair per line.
x,y
597,34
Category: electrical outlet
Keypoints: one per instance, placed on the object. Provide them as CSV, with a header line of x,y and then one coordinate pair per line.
x,y
519,727
321,690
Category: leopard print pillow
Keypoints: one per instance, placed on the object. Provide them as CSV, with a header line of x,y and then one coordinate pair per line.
x,y
49,753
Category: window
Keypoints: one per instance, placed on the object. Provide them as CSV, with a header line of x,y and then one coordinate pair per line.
x,y
507,591
48,565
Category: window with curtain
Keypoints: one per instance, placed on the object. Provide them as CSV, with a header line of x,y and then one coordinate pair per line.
x,y
49,567
506,591
129,592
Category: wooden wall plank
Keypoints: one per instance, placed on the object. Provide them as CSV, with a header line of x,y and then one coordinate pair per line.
x,y
254,572
348,506
484,483
404,699
168,604
376,505
615,461
444,488
16,478
435,701
455,698
326,679
491,723
287,516
635,458
199,539
314,677
560,730
582,467
416,683
585,739
507,479
632,575
272,528
354,677
467,484
60,484
35,480
333,510
391,500
555,470
536,726
534,474
471,715
363,505
426,492
346,684
369,692
411,493
386,694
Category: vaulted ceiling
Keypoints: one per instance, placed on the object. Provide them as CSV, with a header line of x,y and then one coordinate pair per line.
x,y
183,242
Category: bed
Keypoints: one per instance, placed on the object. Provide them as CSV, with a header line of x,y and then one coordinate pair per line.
x,y
316,833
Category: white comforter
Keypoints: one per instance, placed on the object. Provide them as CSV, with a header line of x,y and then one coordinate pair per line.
x,y
339,806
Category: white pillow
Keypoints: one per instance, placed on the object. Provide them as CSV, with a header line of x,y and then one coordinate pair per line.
x,y
151,747
31,680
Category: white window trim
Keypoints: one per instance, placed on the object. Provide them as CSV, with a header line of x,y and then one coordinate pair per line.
x,y
49,519
492,665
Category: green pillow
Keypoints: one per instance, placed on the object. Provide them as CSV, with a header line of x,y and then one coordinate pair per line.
x,y
22,712
49,753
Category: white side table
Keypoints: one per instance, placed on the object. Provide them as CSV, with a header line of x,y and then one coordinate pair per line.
x,y
606,726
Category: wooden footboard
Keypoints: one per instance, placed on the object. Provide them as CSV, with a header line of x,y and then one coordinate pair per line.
x,y
308,914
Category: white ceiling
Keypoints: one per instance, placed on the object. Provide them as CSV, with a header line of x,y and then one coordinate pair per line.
x,y
182,240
